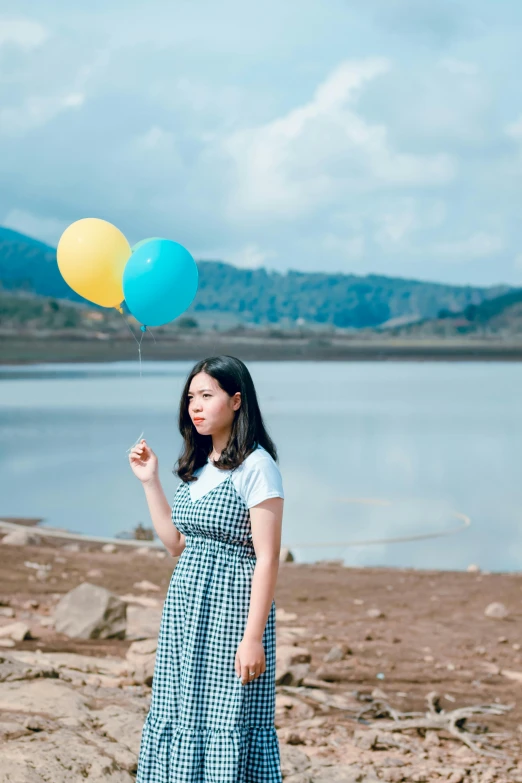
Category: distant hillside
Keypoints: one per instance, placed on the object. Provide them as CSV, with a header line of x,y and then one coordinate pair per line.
x,y
501,315
29,265
264,297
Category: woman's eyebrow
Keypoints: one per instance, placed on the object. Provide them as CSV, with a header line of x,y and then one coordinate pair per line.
x,y
202,390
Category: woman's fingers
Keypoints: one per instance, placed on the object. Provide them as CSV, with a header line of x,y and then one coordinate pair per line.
x,y
138,449
245,672
136,455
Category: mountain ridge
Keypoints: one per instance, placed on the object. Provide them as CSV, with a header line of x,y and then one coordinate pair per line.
x,y
264,297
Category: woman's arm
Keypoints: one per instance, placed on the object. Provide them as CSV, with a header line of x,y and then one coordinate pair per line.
x,y
161,515
266,522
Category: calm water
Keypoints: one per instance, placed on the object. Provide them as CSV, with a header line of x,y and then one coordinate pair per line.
x,y
367,452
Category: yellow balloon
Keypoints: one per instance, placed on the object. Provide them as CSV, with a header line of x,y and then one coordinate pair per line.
x,y
91,255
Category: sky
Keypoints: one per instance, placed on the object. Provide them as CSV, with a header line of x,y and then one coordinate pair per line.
x,y
380,137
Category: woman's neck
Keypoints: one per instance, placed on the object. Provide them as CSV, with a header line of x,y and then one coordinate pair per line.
x,y
218,444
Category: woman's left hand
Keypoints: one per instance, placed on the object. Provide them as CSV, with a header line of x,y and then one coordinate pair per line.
x,y
250,657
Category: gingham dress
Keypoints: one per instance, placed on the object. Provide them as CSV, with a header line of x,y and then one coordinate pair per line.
x,y
204,725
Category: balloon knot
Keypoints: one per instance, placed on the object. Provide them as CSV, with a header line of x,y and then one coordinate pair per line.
x,y
143,328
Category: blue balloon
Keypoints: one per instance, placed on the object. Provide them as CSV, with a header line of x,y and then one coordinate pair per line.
x,y
142,242
160,280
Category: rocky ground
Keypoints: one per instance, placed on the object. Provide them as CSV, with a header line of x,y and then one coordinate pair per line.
x,y
383,674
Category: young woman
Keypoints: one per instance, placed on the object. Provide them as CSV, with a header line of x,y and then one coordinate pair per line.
x,y
211,717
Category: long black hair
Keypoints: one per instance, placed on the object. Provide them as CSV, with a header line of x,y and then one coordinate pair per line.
x,y
248,429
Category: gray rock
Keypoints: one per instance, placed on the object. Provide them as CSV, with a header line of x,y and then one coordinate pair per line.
x,y
12,669
16,631
43,696
293,761
21,538
111,666
36,723
342,773
146,585
496,610
91,612
292,664
139,649
121,726
142,660
335,654
71,548
10,730
297,709
375,614
143,623
62,757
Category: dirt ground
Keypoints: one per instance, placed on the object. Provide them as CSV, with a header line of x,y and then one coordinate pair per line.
x,y
432,633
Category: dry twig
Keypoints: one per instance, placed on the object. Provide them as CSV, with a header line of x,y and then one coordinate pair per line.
x,y
437,719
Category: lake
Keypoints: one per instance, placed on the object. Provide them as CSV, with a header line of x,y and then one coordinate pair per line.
x,y
368,452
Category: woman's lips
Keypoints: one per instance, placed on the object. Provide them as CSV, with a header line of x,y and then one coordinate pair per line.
x,y
196,421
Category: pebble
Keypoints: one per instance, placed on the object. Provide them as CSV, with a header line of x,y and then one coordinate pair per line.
x,y
375,614
16,631
146,585
496,611
336,653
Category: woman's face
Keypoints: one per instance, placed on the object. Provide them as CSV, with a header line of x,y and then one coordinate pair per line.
x,y
209,406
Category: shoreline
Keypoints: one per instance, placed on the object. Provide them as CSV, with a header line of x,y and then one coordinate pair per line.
x,y
53,536
15,350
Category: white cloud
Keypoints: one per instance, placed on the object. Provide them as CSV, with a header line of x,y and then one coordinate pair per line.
x,y
322,151
403,217
459,67
154,138
345,248
478,245
25,33
36,111
250,256
395,226
514,129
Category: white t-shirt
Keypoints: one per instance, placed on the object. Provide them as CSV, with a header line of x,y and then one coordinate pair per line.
x,y
256,479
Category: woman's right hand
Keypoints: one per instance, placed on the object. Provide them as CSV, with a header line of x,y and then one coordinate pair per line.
x,y
143,461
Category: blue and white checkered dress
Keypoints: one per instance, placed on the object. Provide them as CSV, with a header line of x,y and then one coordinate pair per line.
x,y
204,725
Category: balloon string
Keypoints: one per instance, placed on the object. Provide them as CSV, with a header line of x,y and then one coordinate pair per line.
x,y
140,366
